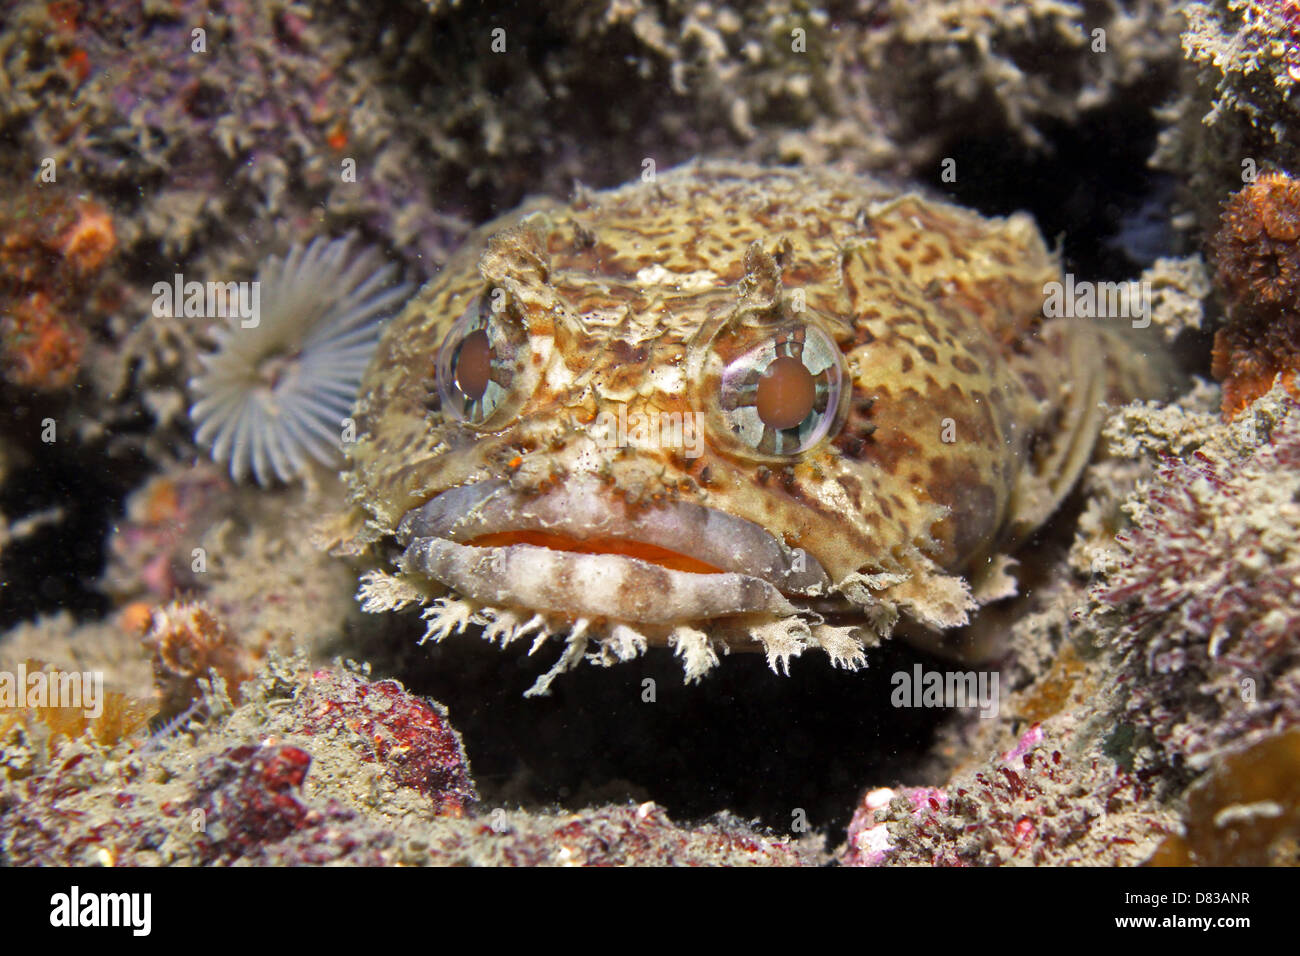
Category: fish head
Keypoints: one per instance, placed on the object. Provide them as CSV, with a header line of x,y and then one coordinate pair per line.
x,y
711,411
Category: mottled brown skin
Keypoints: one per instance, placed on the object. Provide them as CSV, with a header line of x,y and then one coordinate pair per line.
x,y
968,419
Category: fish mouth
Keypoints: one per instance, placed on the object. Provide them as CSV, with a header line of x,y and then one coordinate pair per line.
x,y
577,550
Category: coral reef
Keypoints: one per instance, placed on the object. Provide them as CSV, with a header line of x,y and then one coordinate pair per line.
x,y
280,781
94,90
239,112
1157,671
626,835
31,735
1036,807
106,647
870,84
1258,264
189,644
412,739
246,797
53,246
1179,288
188,532
1257,249
267,579
1150,668
1235,114
1201,601
151,553
1023,64
215,134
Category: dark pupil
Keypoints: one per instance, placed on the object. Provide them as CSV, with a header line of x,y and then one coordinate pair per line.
x,y
786,393
474,365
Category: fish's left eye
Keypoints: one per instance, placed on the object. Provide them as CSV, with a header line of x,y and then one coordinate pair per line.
x,y
477,364
783,397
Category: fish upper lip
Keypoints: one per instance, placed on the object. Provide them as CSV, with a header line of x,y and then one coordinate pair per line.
x,y
579,510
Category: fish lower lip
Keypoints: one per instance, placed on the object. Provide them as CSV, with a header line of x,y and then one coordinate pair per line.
x,y
583,512
581,585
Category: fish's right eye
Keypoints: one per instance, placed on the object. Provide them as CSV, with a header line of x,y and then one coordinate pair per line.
x,y
479,360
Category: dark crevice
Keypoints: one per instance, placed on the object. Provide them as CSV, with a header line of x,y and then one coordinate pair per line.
x,y
744,739
1089,190
56,567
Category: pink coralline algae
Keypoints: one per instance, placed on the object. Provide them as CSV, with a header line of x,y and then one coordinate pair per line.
x,y
1035,807
629,835
40,826
249,798
411,738
276,783
1203,608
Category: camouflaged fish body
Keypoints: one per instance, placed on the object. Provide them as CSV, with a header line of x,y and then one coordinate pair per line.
x,y
588,424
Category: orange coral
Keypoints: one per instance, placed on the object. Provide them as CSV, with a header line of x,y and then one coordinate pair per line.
x,y
1258,262
161,500
42,348
190,642
1257,250
53,246
1248,358
137,618
89,239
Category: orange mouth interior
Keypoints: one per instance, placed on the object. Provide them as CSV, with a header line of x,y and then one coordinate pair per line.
x,y
652,553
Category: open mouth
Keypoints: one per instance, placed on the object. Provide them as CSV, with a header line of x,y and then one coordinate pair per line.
x,y
579,551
